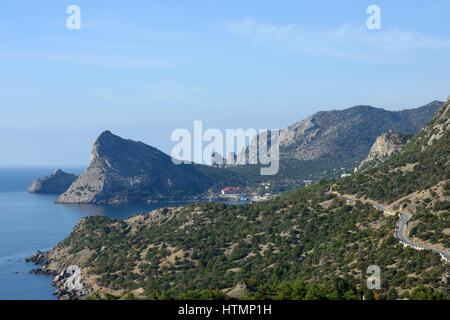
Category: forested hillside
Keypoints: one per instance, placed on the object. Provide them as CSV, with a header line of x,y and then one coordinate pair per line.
x,y
304,244
417,179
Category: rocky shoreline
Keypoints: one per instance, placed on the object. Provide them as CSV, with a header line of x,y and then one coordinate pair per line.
x,y
69,282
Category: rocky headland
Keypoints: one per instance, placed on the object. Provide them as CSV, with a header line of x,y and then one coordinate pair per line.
x,y
57,182
124,171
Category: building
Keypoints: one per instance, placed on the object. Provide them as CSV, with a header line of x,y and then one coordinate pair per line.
x,y
230,190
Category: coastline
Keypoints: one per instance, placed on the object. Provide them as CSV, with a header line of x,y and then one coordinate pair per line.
x,y
69,281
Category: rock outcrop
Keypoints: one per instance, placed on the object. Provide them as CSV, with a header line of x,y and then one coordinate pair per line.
x,y
69,280
57,182
237,291
70,284
231,158
385,145
125,171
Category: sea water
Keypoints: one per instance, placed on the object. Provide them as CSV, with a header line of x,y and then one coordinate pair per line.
x,y
30,222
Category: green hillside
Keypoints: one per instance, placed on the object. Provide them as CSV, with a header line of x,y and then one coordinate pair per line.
x,y
417,179
304,244
304,239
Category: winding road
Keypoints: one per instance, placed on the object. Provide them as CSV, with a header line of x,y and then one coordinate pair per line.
x,y
400,231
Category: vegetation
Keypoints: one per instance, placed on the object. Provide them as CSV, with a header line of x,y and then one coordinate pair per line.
x,y
292,172
388,182
304,245
430,226
423,166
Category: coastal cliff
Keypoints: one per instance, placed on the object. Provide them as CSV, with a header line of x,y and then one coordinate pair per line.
x,y
124,171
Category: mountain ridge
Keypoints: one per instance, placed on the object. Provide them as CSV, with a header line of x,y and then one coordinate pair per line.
x,y
125,171
330,143
335,126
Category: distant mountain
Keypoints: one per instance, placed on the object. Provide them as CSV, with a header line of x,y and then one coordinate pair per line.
x,y
384,147
348,133
423,163
57,183
327,140
416,180
124,171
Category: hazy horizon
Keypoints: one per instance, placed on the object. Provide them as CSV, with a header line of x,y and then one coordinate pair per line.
x,y
142,70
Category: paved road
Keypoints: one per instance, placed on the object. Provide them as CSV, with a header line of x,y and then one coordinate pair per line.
x,y
400,232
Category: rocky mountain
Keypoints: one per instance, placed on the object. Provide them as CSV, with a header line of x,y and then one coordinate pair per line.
x,y
384,147
123,171
311,243
315,146
415,180
57,183
349,132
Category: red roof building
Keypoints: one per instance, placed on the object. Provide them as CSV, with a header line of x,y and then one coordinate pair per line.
x,y
230,190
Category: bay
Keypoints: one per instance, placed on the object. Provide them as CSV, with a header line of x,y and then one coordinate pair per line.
x,y
30,222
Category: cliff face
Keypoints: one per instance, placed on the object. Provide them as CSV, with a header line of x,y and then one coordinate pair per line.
x,y
384,147
57,183
123,171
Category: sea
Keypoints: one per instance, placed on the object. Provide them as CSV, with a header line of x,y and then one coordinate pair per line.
x,y
30,222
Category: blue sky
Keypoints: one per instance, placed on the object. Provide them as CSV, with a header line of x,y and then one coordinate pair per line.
x,y
144,68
